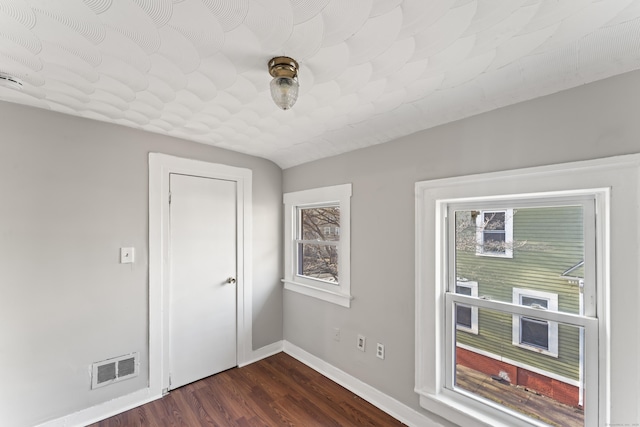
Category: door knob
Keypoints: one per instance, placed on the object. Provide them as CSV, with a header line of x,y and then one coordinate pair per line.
x,y
231,280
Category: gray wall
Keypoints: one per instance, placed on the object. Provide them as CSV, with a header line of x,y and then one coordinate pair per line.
x,y
592,121
73,191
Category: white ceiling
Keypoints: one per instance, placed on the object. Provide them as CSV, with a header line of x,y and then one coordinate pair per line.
x,y
370,70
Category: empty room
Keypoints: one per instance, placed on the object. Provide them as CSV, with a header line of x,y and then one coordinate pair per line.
x,y
320,213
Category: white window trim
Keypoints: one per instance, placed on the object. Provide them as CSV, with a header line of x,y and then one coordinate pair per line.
x,y
587,177
338,195
474,310
508,234
552,331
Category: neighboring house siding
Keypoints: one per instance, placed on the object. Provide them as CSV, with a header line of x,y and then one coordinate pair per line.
x,y
547,241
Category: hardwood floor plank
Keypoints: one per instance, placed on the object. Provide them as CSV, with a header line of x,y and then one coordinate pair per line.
x,y
276,391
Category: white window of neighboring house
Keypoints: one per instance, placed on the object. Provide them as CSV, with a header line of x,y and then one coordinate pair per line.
x,y
494,233
317,262
535,334
446,245
467,316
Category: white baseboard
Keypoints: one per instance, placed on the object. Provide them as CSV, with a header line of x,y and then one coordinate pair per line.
x,y
103,410
263,353
391,406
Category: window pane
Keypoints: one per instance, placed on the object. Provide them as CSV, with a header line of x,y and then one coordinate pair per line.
x,y
510,354
545,392
464,290
534,302
548,254
534,332
318,261
463,316
319,224
494,221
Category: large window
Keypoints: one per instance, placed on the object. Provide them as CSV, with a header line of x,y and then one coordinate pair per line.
x,y
317,250
538,346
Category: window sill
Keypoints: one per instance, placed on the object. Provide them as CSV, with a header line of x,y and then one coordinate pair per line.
x,y
472,330
508,255
536,349
338,298
467,412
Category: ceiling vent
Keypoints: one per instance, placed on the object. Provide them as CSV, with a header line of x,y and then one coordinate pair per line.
x,y
9,81
114,370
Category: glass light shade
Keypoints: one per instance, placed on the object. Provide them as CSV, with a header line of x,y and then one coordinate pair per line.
x,y
284,91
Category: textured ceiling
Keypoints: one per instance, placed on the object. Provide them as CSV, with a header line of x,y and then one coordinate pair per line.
x,y
370,70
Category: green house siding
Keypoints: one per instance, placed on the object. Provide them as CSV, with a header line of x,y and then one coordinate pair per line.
x,y
547,241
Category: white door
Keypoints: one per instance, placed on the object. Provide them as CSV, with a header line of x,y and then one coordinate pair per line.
x,y
202,290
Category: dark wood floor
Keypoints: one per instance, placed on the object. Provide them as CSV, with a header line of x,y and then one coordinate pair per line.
x,y
276,391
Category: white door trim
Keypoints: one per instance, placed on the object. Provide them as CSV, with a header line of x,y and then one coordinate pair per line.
x,y
160,166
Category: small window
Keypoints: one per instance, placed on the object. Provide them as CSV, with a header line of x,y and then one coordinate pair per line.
x,y
317,255
494,233
467,316
535,334
317,249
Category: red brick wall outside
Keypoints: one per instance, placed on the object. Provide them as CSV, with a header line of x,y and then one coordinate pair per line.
x,y
557,390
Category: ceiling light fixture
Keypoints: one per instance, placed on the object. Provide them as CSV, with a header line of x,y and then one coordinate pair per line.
x,y
284,86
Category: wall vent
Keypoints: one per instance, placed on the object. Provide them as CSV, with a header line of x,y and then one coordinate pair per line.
x,y
113,370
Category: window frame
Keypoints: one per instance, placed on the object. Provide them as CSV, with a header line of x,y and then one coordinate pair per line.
x,y
332,196
508,233
552,327
595,177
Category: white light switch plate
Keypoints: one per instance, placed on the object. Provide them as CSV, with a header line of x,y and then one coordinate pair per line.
x,y
127,255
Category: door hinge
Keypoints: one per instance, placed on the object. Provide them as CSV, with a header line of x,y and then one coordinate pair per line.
x,y
169,197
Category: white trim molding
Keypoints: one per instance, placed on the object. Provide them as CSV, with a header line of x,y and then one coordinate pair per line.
x,y
160,167
104,410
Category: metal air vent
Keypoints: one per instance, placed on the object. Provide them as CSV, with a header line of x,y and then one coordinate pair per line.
x,y
113,370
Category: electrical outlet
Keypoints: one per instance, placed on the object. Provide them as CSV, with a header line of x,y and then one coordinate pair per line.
x,y
336,334
361,342
380,351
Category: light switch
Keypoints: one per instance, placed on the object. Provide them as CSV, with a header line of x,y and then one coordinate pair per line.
x,y
126,255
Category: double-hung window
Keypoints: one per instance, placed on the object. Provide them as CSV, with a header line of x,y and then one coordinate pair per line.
x,y
317,251
538,351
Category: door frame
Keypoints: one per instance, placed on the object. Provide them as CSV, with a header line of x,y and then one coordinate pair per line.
x,y
160,167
